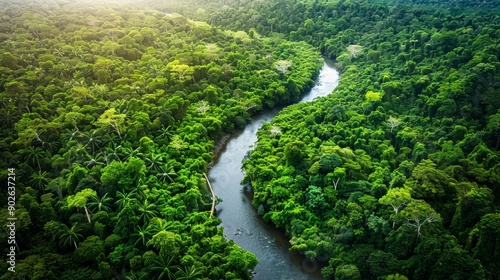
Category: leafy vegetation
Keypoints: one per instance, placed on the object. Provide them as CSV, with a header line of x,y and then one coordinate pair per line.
x,y
110,116
396,171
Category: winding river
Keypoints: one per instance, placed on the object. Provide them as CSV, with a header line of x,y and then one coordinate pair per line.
x,y
239,218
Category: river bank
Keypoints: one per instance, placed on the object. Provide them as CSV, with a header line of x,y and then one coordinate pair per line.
x,y
239,217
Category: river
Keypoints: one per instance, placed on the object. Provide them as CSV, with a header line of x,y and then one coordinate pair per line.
x,y
239,218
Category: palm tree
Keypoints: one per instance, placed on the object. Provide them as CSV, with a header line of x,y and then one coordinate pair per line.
x,y
99,90
125,199
40,73
78,52
94,160
51,144
21,101
165,134
131,275
93,141
158,224
129,152
105,157
78,74
154,161
139,190
142,235
113,150
40,179
242,65
70,235
75,153
100,204
4,101
163,267
9,117
59,52
120,106
34,154
61,70
165,173
187,273
69,134
147,211
111,138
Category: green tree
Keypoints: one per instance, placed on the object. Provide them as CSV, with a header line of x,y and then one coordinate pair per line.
x,y
79,200
382,263
166,242
397,198
147,211
164,267
481,240
428,182
110,118
100,204
494,127
329,162
34,154
40,179
294,153
396,276
418,213
8,60
142,235
347,271
189,273
89,249
70,236
315,199
373,96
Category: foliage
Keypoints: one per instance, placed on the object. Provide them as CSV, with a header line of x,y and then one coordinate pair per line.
x,y
116,111
408,139
110,114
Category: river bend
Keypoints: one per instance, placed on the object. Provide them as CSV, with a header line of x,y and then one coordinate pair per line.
x,y
239,218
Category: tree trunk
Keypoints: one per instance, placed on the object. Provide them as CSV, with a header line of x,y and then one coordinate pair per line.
x,y
214,198
87,213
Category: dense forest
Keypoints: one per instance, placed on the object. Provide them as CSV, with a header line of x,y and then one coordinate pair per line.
x,y
111,115
397,172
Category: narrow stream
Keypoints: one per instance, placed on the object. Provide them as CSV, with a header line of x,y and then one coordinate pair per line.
x,y
239,218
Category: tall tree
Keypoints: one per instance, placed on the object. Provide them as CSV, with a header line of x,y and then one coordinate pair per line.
x,y
397,198
110,118
80,199
70,235
418,213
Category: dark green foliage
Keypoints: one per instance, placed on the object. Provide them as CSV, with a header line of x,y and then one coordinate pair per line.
x,y
110,116
484,242
347,271
394,174
403,152
329,162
